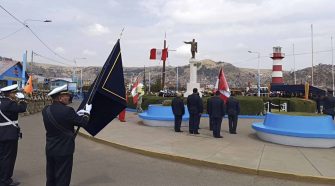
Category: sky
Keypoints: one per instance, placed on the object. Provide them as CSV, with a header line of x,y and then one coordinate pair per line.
x,y
85,31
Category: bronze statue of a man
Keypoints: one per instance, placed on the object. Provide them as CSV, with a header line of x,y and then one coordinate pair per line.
x,y
194,47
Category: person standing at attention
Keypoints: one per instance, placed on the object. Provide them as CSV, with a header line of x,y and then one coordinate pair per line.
x,y
195,108
216,108
178,110
11,104
233,110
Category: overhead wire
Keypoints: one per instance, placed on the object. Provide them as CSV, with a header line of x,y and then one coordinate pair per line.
x,y
7,36
27,26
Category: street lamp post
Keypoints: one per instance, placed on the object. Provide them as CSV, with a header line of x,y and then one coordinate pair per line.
x,y
38,20
81,74
258,74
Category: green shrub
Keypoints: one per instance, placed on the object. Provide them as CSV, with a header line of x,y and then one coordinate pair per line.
x,y
147,100
294,104
250,105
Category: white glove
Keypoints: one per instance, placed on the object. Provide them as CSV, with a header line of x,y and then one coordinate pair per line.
x,y
82,112
88,108
19,95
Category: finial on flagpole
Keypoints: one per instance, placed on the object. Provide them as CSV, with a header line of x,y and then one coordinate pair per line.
x,y
121,33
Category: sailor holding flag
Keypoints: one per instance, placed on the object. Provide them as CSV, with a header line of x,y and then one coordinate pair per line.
x,y
59,121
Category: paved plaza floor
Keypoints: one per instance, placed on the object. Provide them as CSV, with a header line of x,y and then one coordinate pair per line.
x,y
242,152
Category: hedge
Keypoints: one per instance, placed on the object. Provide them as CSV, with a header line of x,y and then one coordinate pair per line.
x,y
249,105
294,104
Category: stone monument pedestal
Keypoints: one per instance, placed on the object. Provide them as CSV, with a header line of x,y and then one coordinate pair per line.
x,y
193,78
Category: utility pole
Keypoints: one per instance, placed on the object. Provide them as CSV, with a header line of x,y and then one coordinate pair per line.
x,y
295,77
312,54
144,83
31,61
177,86
163,73
331,39
149,81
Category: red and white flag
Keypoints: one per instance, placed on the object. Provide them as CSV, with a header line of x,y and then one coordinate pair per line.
x,y
134,91
223,86
159,54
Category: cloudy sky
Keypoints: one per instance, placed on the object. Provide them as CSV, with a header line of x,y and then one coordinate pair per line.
x,y
225,30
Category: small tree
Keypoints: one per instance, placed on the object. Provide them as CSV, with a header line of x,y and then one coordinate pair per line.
x,y
156,87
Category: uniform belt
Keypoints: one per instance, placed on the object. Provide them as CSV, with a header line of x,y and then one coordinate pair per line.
x,y
9,123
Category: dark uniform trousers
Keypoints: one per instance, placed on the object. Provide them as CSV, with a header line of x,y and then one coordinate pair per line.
x,y
193,123
8,152
177,122
59,169
216,126
232,120
210,123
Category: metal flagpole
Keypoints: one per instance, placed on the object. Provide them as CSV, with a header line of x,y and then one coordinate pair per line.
x,y
312,54
331,38
295,77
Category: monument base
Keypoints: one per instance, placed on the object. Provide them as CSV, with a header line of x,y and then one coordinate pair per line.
x,y
190,87
193,78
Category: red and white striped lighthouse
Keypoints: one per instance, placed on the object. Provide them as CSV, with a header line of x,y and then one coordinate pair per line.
x,y
277,74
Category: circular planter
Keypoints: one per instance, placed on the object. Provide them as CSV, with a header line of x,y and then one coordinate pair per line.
x,y
161,116
302,131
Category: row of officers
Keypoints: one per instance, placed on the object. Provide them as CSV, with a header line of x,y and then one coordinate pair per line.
x,y
216,109
59,121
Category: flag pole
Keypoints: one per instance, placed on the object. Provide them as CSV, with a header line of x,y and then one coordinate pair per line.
x,y
163,72
121,33
95,84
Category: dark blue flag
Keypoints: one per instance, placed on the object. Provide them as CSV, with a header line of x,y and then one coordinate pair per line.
x,y
107,94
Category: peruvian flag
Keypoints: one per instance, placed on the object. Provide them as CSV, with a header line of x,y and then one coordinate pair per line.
x,y
134,91
223,86
159,54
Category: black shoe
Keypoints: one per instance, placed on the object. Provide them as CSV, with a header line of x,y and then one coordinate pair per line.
x,y
196,133
218,137
234,132
191,132
178,131
14,183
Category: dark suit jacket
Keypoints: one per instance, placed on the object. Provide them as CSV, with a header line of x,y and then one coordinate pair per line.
x,y
178,106
194,104
233,106
58,143
11,110
216,107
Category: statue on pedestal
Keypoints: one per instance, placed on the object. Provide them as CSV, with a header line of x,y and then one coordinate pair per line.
x,y
194,47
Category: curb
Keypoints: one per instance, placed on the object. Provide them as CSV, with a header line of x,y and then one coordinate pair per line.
x,y
186,160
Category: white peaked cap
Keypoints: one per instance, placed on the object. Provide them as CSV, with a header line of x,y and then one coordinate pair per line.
x,y
58,90
9,88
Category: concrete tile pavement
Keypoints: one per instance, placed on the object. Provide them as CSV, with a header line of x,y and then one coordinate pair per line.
x,y
242,152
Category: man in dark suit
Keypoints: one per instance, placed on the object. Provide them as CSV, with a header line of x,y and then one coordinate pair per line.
x,y
11,104
329,105
178,110
216,108
233,110
209,115
195,108
59,121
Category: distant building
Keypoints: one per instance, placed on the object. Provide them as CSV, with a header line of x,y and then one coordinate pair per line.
x,y
10,72
56,82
